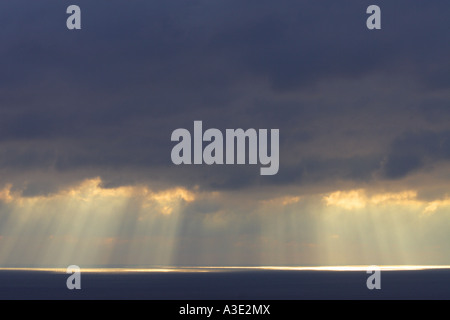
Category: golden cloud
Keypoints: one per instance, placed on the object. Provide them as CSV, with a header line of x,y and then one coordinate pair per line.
x,y
359,199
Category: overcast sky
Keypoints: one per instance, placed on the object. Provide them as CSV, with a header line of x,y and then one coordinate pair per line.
x,y
86,118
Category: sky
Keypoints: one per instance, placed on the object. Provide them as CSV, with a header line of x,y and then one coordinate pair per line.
x,y
86,118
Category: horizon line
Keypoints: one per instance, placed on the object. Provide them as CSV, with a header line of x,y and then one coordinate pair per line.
x,y
231,268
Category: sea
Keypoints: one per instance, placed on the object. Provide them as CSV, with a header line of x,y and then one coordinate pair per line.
x,y
216,283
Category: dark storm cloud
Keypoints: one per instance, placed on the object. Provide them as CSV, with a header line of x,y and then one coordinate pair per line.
x,y
104,100
414,150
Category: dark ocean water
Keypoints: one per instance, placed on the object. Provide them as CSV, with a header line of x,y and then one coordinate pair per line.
x,y
226,285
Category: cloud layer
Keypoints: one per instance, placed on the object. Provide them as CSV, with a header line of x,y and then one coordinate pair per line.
x,y
356,109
